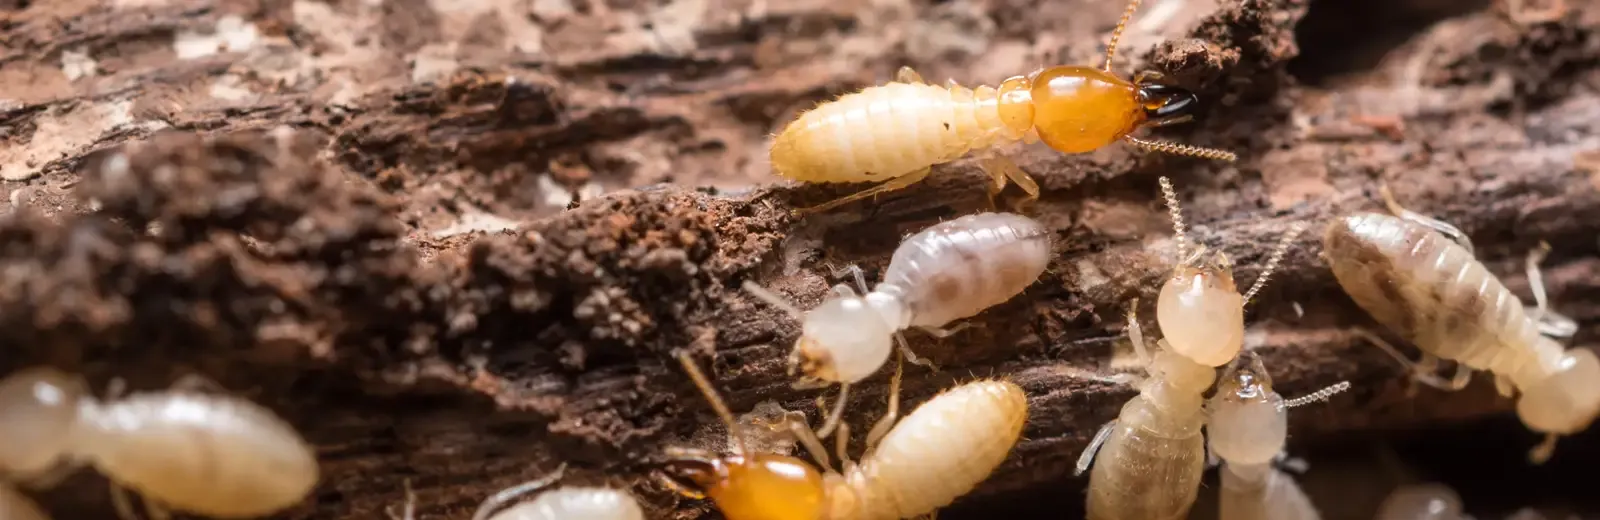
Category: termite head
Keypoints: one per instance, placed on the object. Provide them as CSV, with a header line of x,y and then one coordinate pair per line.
x,y
843,340
1248,424
1201,312
1078,109
1567,401
38,409
758,487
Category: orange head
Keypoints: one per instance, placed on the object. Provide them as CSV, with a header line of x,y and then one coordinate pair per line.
x,y
1078,109
758,487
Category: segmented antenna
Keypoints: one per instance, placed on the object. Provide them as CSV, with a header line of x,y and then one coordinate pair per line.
x,y
1183,149
711,396
1127,14
1177,217
1319,395
1272,262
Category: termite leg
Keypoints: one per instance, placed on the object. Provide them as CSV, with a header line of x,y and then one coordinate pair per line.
x,y
942,332
808,438
887,186
121,502
881,428
1000,168
905,350
1541,454
1423,369
832,421
410,509
500,498
841,444
855,272
907,75
1136,335
1551,323
1094,447
1503,385
1444,228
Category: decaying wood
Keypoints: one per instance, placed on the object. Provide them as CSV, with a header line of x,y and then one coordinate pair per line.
x,y
376,242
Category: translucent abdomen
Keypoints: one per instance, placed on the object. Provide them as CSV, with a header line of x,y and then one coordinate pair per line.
x,y
940,452
885,131
212,456
958,268
1432,292
1149,468
1261,492
575,503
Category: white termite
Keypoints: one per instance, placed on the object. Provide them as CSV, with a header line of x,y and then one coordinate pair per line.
x,y
1248,428
939,452
949,271
567,503
199,453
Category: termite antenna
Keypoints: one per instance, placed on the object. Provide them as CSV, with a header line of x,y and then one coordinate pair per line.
x,y
1182,149
712,397
504,496
772,299
1116,34
1135,333
1319,395
1177,216
1272,262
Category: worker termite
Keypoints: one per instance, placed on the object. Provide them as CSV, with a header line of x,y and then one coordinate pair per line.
x,y
937,453
1430,290
949,271
216,456
1422,502
1248,428
896,132
1153,453
568,503
1200,310
14,506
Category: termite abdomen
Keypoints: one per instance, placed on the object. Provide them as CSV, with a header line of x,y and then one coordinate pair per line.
x,y
958,268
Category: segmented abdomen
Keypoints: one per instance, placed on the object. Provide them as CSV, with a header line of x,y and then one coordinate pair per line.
x,y
1261,492
574,503
884,132
1430,290
958,268
937,454
1148,469
197,453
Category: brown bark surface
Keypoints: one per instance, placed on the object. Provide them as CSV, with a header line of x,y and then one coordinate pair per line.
x,y
455,243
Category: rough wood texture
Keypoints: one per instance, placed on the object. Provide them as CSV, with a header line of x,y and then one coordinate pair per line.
x,y
375,241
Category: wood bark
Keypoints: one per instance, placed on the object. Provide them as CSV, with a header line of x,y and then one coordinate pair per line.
x,y
357,213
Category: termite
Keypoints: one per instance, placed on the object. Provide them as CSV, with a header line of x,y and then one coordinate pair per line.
x,y
1200,310
1247,430
1153,454
1429,289
567,503
949,271
897,131
15,506
937,453
210,455
1422,502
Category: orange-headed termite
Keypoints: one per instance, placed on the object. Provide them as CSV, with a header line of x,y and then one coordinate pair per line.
x,y
896,132
1247,430
199,453
949,271
1430,290
937,453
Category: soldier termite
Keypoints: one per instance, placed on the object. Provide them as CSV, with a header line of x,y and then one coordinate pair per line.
x,y
14,506
949,271
1153,454
937,453
1200,310
1248,427
568,503
896,132
210,455
1430,290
